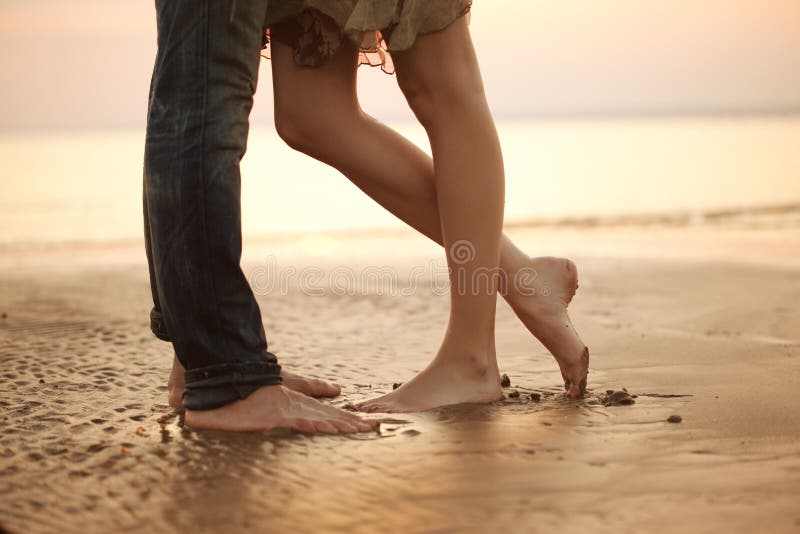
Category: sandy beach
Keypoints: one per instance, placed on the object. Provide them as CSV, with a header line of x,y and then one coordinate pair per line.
x,y
696,321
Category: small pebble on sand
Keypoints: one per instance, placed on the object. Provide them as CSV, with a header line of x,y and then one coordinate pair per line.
x,y
514,394
396,385
536,397
617,398
505,381
674,419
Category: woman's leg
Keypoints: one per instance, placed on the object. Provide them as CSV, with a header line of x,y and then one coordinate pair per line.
x,y
317,112
441,81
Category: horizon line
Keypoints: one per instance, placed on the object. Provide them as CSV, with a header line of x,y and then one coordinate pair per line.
x,y
7,129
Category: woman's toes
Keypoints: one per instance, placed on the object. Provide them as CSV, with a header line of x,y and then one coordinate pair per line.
x,y
369,407
575,388
362,407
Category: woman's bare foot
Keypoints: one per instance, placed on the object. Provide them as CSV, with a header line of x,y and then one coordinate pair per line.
x,y
447,380
313,387
545,315
272,407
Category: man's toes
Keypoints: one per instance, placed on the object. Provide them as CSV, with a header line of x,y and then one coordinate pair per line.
x,y
325,389
311,386
349,418
367,426
325,427
363,425
344,427
303,425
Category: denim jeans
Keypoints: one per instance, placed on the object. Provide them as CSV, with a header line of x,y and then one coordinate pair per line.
x,y
201,94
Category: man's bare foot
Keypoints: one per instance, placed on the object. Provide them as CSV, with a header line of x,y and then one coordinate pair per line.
x,y
545,315
313,387
176,384
447,380
272,407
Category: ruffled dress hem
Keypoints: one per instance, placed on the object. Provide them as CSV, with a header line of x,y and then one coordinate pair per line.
x,y
315,29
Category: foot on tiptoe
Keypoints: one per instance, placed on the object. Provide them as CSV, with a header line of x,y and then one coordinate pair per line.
x,y
540,296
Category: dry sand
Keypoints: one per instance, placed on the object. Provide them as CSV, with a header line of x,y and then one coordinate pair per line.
x,y
700,322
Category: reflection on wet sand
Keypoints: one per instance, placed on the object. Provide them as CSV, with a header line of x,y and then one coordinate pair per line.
x,y
89,443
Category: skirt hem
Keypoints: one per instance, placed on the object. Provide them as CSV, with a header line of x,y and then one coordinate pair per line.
x,y
314,31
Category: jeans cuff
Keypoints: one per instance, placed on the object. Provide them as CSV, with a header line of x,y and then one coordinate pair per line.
x,y
157,325
214,386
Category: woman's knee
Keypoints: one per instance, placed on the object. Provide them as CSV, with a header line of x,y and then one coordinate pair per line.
x,y
309,128
439,74
436,94
297,127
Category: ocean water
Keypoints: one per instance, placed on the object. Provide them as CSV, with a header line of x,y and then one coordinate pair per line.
x,y
86,185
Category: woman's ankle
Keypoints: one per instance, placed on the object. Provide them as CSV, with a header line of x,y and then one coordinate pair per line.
x,y
469,359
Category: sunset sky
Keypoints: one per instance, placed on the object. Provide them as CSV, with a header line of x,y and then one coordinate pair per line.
x,y
87,63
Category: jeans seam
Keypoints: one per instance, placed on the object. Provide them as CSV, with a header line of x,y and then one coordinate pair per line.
x,y
204,216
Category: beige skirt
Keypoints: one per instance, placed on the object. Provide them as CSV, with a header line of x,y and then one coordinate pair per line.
x,y
315,28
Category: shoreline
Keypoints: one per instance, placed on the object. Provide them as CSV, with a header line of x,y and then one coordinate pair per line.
x,y
769,246
757,217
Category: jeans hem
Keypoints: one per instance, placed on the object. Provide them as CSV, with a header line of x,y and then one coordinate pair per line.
x,y
157,325
216,385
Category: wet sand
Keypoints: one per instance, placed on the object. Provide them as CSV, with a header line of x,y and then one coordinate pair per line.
x,y
702,323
